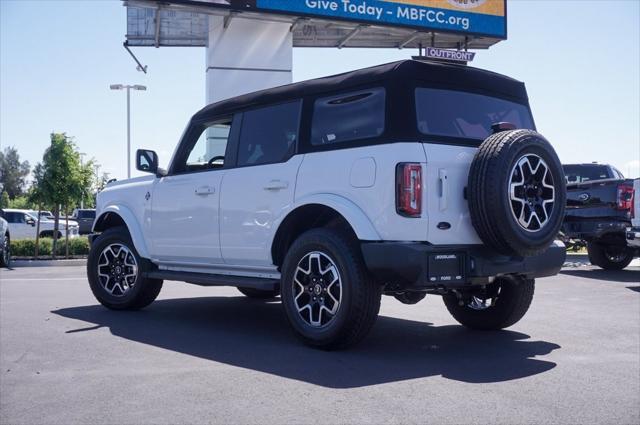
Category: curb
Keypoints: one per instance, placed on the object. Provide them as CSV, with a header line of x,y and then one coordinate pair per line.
x,y
48,263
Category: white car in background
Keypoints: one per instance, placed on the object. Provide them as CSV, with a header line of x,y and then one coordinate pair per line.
x,y
48,215
23,225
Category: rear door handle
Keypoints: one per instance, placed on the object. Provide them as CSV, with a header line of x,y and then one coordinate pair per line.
x,y
276,185
205,190
444,188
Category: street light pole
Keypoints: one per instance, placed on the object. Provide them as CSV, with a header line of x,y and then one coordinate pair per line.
x,y
82,154
128,87
128,132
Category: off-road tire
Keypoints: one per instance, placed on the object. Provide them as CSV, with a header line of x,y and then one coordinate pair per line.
x,y
512,303
360,296
489,198
5,258
259,294
599,256
143,292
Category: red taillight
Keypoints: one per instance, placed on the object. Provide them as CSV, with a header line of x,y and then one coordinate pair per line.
x,y
409,189
625,197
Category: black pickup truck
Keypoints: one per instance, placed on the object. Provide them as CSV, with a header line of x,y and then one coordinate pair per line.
x,y
599,206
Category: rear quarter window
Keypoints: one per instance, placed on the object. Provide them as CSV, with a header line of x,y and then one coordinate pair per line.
x,y
466,115
348,117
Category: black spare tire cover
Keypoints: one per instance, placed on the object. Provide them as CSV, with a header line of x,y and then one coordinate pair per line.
x,y
516,193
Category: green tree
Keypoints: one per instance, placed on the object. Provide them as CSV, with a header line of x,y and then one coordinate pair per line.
x,y
20,202
37,197
13,172
4,200
64,180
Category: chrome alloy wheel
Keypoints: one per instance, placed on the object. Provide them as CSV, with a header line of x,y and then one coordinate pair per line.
x,y
531,192
477,303
317,289
117,269
487,300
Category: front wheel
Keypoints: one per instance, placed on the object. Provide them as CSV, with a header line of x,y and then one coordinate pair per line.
x,y
609,257
500,305
116,275
328,296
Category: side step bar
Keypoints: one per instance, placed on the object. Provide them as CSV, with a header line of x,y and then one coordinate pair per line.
x,y
204,279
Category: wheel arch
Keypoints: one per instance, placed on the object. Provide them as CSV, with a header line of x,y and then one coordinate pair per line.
x,y
320,211
118,215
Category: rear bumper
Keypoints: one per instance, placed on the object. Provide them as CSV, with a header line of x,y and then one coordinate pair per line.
x,y
633,237
402,265
593,229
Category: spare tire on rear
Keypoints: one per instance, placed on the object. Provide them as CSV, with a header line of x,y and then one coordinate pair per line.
x,y
516,193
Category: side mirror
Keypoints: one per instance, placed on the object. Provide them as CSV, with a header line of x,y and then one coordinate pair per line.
x,y
147,161
30,221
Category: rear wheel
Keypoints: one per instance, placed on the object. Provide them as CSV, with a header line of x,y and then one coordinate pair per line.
x,y
260,294
502,304
5,258
609,257
116,272
328,296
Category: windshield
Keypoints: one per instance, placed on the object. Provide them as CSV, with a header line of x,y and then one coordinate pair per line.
x,y
467,115
583,173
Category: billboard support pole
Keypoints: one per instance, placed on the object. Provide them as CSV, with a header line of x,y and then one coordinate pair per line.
x,y
247,56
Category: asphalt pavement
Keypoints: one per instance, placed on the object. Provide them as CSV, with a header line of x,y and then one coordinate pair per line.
x,y
210,355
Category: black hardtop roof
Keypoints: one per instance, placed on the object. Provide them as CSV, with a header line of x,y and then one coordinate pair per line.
x,y
401,72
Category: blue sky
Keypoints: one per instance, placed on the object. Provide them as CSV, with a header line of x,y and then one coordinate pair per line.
x,y
580,61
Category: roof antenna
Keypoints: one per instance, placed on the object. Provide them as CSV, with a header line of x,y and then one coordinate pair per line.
x,y
140,67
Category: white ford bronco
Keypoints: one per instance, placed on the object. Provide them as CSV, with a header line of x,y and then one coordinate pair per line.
x,y
404,179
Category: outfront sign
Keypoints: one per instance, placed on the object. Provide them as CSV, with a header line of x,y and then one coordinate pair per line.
x,y
448,55
473,17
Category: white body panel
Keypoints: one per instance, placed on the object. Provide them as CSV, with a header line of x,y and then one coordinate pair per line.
x,y
253,200
635,220
184,218
334,172
234,224
128,199
444,182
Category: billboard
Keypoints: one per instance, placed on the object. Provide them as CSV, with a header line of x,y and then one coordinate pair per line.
x,y
457,24
473,17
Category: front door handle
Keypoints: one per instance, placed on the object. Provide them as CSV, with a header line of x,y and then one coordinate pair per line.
x,y
276,185
205,190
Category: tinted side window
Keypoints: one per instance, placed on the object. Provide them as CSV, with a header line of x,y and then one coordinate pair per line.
x,y
468,115
14,217
269,134
349,116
